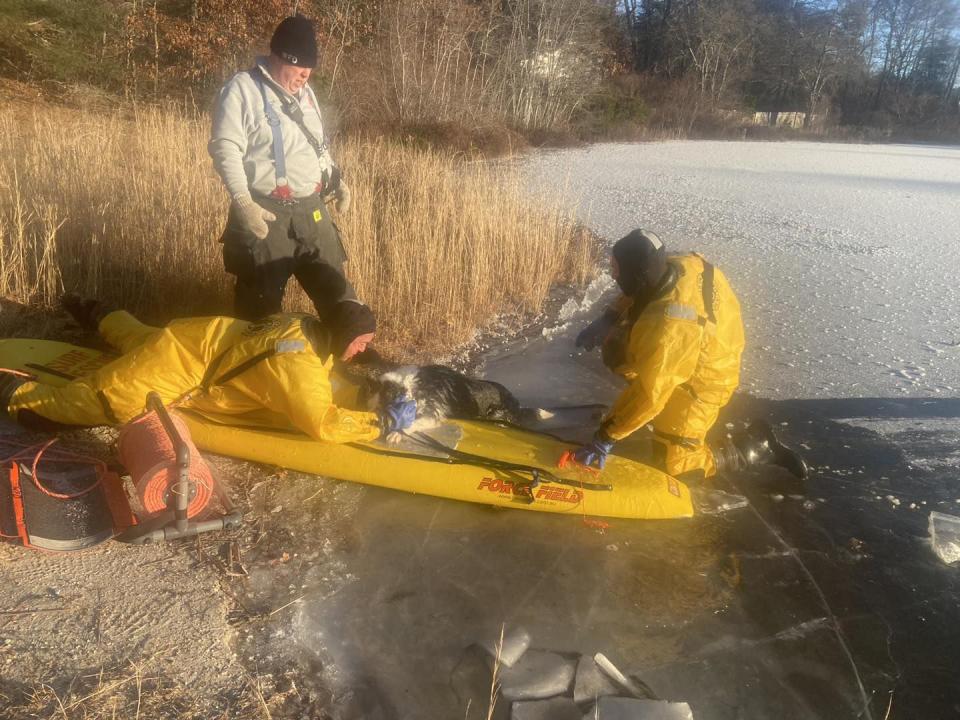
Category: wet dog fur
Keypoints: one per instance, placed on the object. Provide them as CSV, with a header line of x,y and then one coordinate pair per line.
x,y
439,392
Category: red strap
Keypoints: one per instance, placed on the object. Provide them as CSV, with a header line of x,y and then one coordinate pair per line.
x,y
569,459
282,192
17,495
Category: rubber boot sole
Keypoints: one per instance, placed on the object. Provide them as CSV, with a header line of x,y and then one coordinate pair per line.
x,y
783,455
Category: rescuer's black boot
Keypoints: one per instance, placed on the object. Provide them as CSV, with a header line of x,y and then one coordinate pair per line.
x,y
8,386
758,445
86,313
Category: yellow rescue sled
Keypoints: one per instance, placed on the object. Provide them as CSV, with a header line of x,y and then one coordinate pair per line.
x,y
473,461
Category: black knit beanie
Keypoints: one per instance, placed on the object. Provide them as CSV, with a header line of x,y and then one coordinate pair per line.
x,y
295,42
642,261
347,321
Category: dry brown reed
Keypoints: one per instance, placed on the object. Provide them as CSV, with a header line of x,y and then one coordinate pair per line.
x,y
126,207
131,693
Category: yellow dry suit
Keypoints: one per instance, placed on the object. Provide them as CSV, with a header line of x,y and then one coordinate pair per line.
x,y
265,374
681,356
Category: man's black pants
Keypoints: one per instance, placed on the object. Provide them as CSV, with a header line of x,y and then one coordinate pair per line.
x,y
302,242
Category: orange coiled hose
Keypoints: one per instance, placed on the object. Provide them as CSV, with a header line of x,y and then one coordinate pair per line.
x,y
151,459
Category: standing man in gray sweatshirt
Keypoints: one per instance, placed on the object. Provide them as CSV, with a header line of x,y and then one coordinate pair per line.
x,y
268,146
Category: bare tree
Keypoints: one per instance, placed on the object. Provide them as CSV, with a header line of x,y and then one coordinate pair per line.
x,y
829,34
549,61
715,41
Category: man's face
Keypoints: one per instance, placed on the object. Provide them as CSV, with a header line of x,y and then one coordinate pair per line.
x,y
290,77
358,345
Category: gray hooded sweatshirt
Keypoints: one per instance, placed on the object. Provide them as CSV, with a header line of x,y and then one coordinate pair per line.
x,y
241,142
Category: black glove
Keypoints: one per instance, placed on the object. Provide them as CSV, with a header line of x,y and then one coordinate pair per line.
x,y
86,313
593,335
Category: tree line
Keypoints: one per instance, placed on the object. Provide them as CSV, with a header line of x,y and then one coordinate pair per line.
x,y
880,63
591,67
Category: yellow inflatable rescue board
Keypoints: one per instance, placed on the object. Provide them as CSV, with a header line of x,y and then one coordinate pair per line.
x,y
474,461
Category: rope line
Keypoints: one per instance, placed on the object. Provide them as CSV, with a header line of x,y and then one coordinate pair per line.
x,y
33,453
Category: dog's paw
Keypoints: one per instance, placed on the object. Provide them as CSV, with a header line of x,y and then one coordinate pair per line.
x,y
394,438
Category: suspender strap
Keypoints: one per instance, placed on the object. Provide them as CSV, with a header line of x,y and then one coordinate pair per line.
x,y
708,291
273,120
292,110
319,147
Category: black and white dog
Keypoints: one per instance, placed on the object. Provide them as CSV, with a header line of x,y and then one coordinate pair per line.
x,y
440,393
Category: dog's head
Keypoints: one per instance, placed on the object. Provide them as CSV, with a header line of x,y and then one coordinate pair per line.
x,y
382,391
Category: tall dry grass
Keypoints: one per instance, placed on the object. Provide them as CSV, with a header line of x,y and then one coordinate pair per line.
x,y
126,207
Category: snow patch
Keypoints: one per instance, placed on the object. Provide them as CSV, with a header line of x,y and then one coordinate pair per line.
x,y
549,333
573,308
595,290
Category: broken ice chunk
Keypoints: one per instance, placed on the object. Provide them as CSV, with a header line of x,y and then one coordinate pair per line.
x,y
619,679
570,308
591,682
538,674
617,708
515,644
945,536
558,708
716,502
552,332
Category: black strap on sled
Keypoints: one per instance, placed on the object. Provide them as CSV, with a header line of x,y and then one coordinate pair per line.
x,y
244,366
538,474
209,378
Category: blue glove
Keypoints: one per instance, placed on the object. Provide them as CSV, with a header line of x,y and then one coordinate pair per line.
x,y
596,332
594,452
398,415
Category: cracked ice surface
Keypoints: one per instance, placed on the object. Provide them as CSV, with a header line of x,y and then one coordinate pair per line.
x,y
844,256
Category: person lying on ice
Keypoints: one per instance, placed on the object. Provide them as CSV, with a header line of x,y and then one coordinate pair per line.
x,y
676,336
274,373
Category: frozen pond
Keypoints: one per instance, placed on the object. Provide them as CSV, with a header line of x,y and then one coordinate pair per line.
x,y
845,257
818,602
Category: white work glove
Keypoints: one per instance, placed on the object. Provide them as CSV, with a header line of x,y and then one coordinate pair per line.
x,y
253,216
341,197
